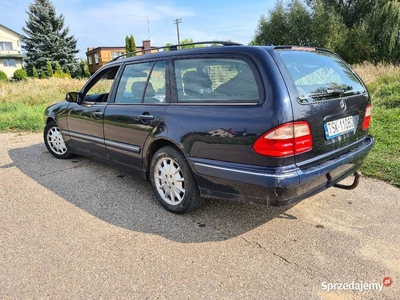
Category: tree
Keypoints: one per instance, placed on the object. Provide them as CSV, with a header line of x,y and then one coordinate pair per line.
x,y
130,45
328,29
290,24
352,11
35,73
84,68
274,29
58,73
49,68
383,27
188,41
358,30
47,39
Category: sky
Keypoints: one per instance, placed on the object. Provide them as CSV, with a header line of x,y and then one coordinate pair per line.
x,y
105,23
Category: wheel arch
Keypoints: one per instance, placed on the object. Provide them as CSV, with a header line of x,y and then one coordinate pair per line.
x,y
153,147
49,119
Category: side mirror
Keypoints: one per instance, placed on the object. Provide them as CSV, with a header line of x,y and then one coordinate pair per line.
x,y
72,97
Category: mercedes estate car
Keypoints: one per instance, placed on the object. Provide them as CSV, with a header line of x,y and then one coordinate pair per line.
x,y
267,125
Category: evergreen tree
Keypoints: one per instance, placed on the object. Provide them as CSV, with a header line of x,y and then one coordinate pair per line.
x,y
49,69
46,38
133,43
84,68
67,73
130,45
58,73
35,73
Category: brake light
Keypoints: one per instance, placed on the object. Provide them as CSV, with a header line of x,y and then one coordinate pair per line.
x,y
367,118
285,140
303,48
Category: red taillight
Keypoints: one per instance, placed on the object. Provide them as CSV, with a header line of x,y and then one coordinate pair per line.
x,y
367,118
285,140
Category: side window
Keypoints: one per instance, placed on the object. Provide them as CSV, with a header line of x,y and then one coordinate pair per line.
x,y
99,88
155,91
143,82
214,80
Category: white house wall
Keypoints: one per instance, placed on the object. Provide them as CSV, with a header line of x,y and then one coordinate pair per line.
x,y
8,35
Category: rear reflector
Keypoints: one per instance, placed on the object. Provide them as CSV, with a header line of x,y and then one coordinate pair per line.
x,y
367,118
285,140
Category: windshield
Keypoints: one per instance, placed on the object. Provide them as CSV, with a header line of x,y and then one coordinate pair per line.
x,y
320,76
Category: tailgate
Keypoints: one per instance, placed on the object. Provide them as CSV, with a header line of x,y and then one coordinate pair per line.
x,y
330,97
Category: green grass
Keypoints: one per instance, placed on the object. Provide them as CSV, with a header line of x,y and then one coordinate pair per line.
x,y
21,117
22,105
384,160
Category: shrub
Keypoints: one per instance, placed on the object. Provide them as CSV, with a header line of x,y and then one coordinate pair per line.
x,y
3,76
35,73
20,74
49,69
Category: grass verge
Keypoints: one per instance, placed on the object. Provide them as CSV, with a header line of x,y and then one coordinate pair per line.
x,y
383,162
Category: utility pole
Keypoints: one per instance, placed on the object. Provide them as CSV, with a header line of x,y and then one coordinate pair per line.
x,y
176,22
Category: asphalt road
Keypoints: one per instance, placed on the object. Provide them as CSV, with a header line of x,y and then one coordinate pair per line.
x,y
77,229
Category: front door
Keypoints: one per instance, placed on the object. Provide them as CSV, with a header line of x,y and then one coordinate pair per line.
x,y
86,117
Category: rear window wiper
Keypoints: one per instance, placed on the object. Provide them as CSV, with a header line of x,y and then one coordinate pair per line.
x,y
335,93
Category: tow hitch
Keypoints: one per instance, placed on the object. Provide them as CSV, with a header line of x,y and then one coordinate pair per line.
x,y
357,176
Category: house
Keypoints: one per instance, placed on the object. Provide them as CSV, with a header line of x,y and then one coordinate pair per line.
x,y
98,57
10,51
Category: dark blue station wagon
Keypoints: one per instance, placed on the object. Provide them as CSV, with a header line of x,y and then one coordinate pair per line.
x,y
267,125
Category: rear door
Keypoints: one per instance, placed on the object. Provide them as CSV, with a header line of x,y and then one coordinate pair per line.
x,y
136,112
330,97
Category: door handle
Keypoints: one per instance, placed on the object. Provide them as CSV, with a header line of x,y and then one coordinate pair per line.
x,y
146,117
97,114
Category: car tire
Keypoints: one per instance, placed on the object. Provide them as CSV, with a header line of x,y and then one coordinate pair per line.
x,y
54,141
173,182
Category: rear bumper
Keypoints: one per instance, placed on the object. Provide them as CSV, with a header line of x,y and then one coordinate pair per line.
x,y
275,186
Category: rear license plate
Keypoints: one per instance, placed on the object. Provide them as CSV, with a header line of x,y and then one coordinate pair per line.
x,y
339,127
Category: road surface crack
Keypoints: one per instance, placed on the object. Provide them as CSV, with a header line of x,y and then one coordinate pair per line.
x,y
311,272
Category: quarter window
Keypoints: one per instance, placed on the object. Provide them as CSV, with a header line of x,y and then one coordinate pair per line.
x,y
143,82
215,81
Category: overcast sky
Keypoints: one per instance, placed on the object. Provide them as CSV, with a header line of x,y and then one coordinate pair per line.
x,y
106,23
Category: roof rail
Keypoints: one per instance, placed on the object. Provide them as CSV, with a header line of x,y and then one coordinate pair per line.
x,y
178,47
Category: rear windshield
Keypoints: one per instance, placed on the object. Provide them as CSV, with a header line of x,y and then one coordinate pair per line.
x,y
320,76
